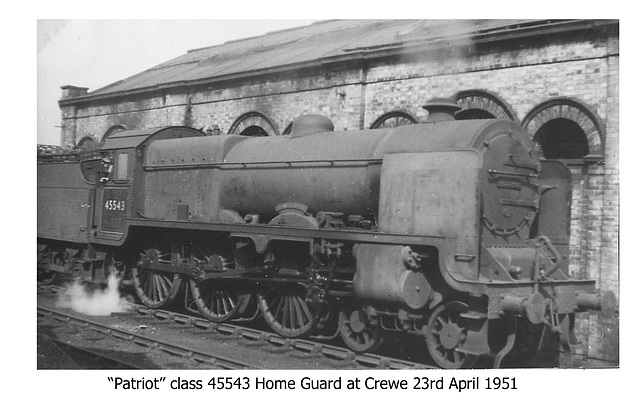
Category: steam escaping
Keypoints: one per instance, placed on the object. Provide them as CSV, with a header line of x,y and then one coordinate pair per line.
x,y
94,302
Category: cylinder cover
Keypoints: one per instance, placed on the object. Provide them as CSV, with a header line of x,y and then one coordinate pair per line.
x,y
383,276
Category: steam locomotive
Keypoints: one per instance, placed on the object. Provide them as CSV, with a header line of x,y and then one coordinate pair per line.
x,y
456,231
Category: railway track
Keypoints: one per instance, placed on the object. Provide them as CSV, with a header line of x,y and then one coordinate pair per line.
x,y
158,339
150,344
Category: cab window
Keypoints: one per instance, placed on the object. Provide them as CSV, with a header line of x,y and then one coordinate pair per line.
x,y
98,167
122,166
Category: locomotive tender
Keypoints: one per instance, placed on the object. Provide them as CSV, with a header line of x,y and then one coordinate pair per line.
x,y
453,230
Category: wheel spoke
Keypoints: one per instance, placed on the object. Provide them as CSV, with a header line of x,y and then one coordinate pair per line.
x,y
227,303
302,313
289,310
154,287
146,284
157,285
307,311
299,312
287,313
163,289
279,310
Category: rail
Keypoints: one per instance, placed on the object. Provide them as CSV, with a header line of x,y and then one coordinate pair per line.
x,y
329,356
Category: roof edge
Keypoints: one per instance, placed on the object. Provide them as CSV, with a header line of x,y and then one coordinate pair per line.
x,y
530,29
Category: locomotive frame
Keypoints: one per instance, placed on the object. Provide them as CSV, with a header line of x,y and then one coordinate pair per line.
x,y
452,230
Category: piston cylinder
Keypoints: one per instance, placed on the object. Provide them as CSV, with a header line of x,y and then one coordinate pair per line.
x,y
386,274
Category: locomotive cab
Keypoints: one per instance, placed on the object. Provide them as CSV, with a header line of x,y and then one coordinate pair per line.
x,y
121,181
109,172
113,194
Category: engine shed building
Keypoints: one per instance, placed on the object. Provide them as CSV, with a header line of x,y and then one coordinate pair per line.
x,y
559,79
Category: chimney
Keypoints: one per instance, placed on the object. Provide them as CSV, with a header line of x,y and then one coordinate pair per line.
x,y
70,92
441,109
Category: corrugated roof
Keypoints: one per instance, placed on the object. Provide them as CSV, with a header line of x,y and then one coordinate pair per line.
x,y
321,41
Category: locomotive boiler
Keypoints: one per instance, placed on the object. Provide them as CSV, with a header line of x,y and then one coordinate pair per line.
x,y
456,231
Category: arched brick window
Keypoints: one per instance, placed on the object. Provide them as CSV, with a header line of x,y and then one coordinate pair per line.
x,y
87,143
394,119
111,131
565,128
253,124
482,104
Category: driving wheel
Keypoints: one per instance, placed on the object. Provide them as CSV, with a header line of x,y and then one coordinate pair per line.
x,y
221,299
286,311
446,333
156,289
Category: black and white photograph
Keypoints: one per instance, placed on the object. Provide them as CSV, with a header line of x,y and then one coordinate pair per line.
x,y
350,209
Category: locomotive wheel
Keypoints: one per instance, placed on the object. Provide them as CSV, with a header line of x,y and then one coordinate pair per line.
x,y
156,289
51,277
287,312
357,331
446,332
218,300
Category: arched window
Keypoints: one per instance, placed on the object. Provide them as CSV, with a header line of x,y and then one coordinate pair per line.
x,y
393,119
86,143
562,138
253,124
254,131
111,131
474,114
565,129
481,104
